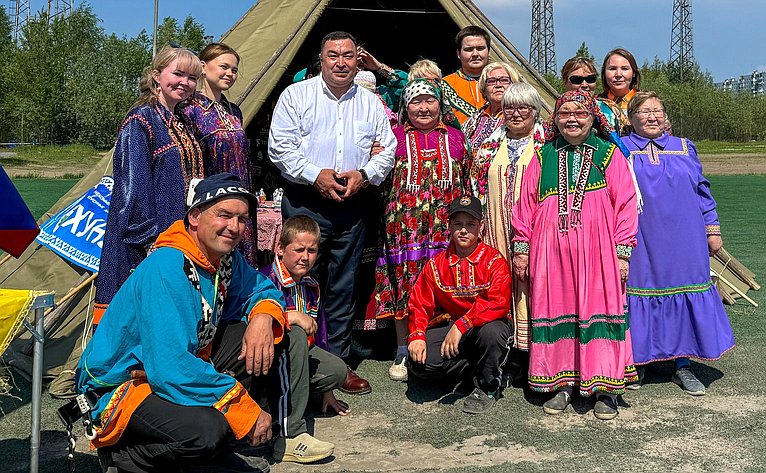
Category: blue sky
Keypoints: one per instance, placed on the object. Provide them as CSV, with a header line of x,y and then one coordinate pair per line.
x,y
729,36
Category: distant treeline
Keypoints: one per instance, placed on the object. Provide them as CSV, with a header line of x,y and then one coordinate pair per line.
x,y
67,81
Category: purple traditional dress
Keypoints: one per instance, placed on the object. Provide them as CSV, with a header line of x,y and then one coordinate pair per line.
x,y
675,310
427,176
225,147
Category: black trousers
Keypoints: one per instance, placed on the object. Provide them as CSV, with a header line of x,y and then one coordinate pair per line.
x,y
481,354
340,253
165,437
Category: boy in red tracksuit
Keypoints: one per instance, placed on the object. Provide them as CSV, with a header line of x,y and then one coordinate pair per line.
x,y
459,310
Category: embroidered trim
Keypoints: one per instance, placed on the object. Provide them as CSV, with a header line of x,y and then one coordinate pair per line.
x,y
669,291
457,102
521,247
588,387
458,291
417,156
624,251
713,230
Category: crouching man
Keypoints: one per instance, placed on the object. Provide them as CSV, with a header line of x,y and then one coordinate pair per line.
x,y
459,311
181,343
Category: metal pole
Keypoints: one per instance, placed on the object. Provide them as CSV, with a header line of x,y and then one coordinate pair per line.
x,y
154,40
37,390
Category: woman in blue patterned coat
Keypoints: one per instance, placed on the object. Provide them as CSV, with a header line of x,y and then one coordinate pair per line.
x,y
155,157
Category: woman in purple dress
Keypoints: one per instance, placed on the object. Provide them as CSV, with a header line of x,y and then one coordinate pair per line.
x,y
675,310
217,125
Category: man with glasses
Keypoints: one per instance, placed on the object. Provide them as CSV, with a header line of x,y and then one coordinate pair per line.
x,y
322,137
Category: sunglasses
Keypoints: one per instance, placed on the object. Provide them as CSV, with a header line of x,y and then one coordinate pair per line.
x,y
577,80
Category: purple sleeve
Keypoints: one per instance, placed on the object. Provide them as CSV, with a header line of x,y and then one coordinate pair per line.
x,y
706,201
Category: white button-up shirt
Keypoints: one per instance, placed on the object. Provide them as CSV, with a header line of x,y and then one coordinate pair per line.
x,y
312,130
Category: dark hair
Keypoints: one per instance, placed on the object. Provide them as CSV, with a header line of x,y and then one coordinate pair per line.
x,y
334,36
576,63
635,82
471,31
213,50
295,225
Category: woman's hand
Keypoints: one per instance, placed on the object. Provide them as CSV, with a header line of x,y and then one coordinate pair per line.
x,y
521,266
714,244
624,268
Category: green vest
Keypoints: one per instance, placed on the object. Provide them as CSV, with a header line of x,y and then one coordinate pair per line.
x,y
548,157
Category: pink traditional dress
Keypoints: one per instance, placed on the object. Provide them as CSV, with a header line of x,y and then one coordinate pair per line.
x,y
427,176
575,216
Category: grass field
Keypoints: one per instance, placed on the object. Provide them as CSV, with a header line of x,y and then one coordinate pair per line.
x,y
41,194
726,147
414,427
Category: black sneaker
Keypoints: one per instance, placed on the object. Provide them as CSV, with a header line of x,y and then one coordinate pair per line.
x,y
478,402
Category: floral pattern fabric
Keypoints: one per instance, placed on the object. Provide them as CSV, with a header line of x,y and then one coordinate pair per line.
x,y
416,216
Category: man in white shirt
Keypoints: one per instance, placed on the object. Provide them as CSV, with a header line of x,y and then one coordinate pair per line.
x,y
322,134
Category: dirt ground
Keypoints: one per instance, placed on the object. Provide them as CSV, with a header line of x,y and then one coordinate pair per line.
x,y
713,164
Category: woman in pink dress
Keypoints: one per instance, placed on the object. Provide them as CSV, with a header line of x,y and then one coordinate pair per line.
x,y
575,226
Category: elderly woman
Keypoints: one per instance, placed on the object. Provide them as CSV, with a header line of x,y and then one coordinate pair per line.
x,y
155,157
675,310
217,125
427,176
620,77
493,81
495,178
429,70
575,224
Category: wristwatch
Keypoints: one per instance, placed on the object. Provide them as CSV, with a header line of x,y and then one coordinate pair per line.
x,y
365,179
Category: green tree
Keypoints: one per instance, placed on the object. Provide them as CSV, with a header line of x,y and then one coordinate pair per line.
x,y
7,51
191,35
583,51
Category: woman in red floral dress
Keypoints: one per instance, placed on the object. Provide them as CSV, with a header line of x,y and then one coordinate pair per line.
x,y
429,172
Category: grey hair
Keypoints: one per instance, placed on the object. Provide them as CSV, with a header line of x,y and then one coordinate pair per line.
x,y
522,93
493,66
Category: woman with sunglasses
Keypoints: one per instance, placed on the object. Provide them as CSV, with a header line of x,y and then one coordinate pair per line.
x,y
675,310
495,177
580,73
493,81
574,228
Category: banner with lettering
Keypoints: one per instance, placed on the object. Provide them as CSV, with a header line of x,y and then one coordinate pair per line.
x,y
77,232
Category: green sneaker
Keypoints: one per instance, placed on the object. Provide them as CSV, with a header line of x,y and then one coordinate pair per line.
x,y
479,402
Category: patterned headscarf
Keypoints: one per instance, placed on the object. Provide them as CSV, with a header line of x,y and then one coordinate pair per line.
x,y
418,87
600,122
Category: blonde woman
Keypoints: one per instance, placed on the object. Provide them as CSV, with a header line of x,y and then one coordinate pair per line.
x,y
155,157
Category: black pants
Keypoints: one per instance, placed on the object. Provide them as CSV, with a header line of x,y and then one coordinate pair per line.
x,y
340,253
481,354
164,437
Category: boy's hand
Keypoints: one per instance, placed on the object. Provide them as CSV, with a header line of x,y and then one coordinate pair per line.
x,y
304,321
258,345
330,402
417,350
451,342
261,432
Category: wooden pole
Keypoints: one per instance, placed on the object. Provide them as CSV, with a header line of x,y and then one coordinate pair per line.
x,y
744,296
6,258
74,291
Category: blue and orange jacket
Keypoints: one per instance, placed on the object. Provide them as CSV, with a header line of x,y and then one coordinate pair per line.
x,y
152,324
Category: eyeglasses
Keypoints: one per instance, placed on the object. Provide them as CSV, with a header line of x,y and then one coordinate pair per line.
x,y
523,111
646,113
498,80
577,80
579,114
